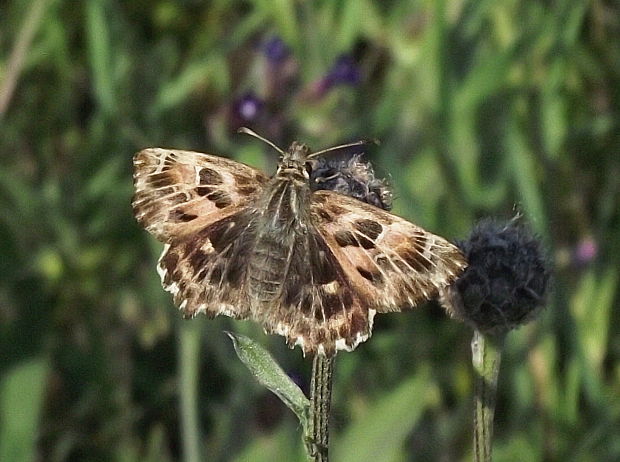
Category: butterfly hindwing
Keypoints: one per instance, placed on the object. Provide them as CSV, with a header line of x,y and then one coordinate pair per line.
x,y
206,271
318,308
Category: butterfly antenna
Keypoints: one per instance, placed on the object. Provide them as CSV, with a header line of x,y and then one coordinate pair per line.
x,y
247,131
342,146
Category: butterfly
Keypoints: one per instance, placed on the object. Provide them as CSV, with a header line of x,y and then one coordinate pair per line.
x,y
314,266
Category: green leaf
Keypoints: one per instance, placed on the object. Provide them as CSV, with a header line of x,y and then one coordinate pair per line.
x,y
271,375
379,435
21,396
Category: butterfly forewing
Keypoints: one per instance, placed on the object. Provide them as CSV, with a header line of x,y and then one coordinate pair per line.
x,y
391,262
180,192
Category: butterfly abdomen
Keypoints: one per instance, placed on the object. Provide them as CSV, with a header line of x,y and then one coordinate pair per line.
x,y
267,266
278,232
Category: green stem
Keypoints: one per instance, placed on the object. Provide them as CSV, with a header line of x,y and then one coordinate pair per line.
x,y
189,354
486,358
320,402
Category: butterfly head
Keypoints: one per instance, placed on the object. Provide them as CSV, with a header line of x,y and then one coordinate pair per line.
x,y
295,158
297,153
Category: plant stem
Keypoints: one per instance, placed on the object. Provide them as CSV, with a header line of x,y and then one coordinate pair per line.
x,y
189,359
486,357
320,402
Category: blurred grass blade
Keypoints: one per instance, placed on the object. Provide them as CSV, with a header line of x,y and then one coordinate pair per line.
x,y
283,14
178,90
19,54
21,397
592,307
359,18
526,175
380,434
100,55
271,375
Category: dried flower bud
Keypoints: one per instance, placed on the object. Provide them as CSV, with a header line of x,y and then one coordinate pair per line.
x,y
505,284
353,177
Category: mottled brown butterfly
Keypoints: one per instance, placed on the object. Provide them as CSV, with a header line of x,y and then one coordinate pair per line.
x,y
313,266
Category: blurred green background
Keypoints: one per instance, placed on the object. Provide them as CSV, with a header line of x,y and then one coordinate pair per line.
x,y
483,108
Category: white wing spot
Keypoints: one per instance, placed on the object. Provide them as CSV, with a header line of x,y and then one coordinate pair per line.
x,y
331,288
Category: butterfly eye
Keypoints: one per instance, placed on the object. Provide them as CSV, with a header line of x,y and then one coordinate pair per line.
x,y
308,168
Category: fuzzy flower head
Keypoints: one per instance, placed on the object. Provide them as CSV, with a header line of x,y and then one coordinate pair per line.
x,y
506,282
352,177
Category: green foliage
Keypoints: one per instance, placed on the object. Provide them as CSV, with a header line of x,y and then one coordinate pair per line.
x,y
381,431
482,108
19,419
267,371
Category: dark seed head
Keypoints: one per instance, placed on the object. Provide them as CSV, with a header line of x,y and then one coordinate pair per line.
x,y
506,281
353,177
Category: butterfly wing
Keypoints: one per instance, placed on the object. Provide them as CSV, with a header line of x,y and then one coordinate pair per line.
x,y
391,264
181,192
205,272
201,206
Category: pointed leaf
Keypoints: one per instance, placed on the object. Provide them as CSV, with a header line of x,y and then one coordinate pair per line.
x,y
271,375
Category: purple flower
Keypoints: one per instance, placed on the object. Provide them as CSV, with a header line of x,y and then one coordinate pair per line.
x,y
247,108
276,50
344,72
586,251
